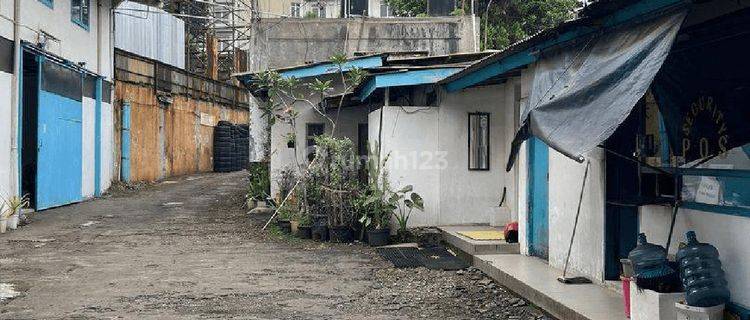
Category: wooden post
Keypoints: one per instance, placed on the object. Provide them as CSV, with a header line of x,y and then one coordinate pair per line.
x,y
212,50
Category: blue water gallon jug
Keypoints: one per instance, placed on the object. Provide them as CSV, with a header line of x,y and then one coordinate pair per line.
x,y
647,256
701,273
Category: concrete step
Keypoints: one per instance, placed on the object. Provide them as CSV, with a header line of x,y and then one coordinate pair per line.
x,y
533,279
477,247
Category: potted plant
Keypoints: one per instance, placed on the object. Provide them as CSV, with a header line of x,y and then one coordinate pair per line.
x,y
304,230
336,176
283,219
259,187
373,205
15,204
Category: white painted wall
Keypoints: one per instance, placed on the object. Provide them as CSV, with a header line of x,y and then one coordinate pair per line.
x,y
565,180
467,196
74,42
88,148
410,136
108,170
6,187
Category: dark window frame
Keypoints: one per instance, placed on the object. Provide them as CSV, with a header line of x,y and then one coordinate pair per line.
x,y
310,138
83,18
469,145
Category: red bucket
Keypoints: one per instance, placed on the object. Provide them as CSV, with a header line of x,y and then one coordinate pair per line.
x,y
626,294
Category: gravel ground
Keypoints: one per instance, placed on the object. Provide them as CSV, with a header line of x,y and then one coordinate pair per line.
x,y
185,249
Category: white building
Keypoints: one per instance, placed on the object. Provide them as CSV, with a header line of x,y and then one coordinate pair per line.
x,y
565,88
56,131
693,109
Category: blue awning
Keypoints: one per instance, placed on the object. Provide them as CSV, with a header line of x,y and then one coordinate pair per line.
x,y
319,69
404,78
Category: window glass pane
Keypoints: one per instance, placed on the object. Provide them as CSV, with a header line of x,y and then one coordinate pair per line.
x,y
479,134
723,191
85,12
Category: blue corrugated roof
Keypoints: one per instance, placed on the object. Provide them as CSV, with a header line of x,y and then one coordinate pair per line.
x,y
404,78
320,68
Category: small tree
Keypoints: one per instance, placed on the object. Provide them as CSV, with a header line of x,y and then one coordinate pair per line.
x,y
285,95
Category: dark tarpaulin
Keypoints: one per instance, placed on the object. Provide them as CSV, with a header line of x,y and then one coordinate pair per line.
x,y
703,90
581,94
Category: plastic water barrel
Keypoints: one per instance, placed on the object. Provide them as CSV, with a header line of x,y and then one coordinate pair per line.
x,y
647,258
701,274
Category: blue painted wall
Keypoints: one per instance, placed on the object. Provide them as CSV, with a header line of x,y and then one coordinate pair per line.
x,y
538,232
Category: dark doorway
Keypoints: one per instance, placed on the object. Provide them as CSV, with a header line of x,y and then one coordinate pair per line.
x,y
362,150
29,103
622,183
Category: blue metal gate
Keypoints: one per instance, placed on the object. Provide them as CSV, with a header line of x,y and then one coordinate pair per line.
x,y
59,142
538,233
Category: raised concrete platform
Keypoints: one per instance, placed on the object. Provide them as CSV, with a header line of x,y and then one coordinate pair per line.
x,y
536,281
475,247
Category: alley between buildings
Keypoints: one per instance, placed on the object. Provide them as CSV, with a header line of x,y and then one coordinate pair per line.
x,y
186,249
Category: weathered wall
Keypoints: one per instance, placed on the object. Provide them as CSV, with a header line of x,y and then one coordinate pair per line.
x,y
291,42
73,41
467,196
169,140
410,136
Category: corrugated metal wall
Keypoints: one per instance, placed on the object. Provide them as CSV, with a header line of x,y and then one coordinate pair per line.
x,y
173,115
152,34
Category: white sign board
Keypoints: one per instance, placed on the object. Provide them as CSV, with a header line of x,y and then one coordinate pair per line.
x,y
708,191
207,120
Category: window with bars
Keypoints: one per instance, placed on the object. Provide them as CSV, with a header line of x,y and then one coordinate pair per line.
x,y
296,10
79,12
479,141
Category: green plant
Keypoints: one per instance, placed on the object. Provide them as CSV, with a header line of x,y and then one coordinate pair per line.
x,y
311,15
14,204
458,12
375,210
287,213
259,188
408,8
335,173
406,200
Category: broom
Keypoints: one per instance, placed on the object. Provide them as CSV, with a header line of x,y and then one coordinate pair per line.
x,y
575,280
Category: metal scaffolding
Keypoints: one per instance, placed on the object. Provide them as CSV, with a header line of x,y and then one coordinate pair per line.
x,y
217,34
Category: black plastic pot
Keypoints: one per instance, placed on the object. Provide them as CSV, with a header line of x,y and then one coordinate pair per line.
x,y
341,234
378,237
304,232
285,226
319,233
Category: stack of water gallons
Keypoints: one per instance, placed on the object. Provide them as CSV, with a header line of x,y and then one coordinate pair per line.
x,y
701,274
651,267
